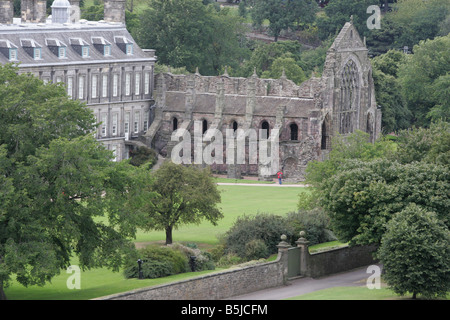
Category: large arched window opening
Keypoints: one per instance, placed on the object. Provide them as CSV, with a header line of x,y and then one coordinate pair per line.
x,y
265,130
294,131
349,97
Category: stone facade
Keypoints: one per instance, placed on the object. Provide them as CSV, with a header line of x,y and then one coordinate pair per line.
x,y
99,62
306,116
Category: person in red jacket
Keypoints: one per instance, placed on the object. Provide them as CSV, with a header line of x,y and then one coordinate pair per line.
x,y
279,175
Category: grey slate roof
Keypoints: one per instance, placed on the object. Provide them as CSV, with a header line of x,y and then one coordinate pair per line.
x,y
72,36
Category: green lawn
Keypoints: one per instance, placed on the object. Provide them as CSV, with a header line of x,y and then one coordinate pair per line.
x,y
349,293
236,201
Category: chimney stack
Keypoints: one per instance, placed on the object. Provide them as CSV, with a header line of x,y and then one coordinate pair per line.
x,y
34,10
114,11
6,11
74,11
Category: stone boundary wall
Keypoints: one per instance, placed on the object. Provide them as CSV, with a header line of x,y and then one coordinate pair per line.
x,y
215,286
243,280
339,260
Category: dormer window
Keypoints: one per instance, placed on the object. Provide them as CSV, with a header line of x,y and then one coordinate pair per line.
x,y
129,49
37,53
61,52
32,48
85,51
58,48
8,49
80,46
12,54
124,44
102,45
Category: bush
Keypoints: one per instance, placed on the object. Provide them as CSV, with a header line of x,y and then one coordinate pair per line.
x,y
203,260
314,222
143,155
264,227
256,249
157,262
415,252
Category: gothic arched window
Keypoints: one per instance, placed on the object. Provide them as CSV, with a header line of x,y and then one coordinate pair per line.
x,y
349,97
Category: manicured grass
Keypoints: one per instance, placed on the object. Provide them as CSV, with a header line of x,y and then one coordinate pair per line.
x,y
94,283
236,201
350,293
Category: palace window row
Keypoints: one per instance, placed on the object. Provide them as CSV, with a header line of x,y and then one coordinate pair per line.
x,y
132,123
99,85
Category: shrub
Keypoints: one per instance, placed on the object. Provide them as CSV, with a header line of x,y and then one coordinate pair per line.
x,y
157,262
415,252
256,249
203,260
314,222
265,227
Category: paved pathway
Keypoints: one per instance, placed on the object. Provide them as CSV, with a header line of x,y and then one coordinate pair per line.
x,y
356,277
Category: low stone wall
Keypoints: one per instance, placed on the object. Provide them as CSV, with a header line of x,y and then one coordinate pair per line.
x,y
243,280
339,260
215,286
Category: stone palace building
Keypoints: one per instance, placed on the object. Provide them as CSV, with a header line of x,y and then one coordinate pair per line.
x,y
101,65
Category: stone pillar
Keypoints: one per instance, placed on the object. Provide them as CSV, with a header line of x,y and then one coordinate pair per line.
x,y
283,256
6,11
302,243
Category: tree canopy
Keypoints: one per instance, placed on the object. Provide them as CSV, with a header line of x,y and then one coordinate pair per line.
x,y
183,195
187,33
56,182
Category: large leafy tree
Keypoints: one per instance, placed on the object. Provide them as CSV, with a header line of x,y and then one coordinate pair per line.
x,y
425,80
56,182
187,33
282,14
415,252
183,195
396,115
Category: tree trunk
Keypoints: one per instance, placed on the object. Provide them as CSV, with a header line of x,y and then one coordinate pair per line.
x,y
414,295
2,293
169,235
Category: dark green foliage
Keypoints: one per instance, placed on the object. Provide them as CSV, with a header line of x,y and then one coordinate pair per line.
x,y
256,249
264,227
314,222
143,155
415,252
157,262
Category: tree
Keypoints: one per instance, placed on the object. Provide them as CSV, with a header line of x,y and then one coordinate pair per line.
x,y
415,252
287,66
424,79
354,146
396,115
56,181
184,195
364,196
338,12
187,33
282,14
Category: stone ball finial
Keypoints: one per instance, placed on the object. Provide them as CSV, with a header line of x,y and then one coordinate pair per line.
x,y
302,234
283,237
